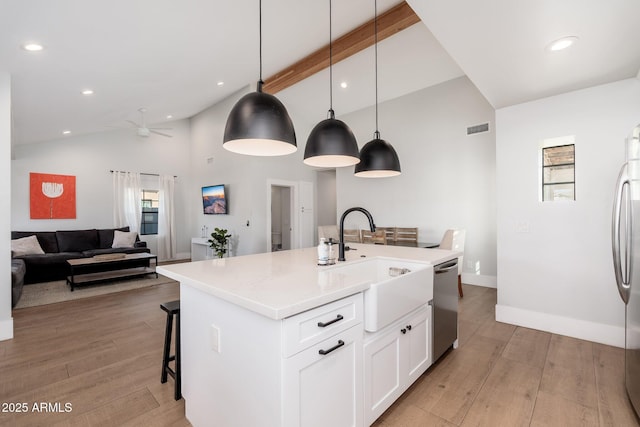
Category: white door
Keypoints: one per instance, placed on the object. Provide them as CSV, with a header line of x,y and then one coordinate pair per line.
x,y
418,334
307,219
383,379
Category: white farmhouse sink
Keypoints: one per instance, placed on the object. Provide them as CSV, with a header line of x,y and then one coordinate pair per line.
x,y
397,287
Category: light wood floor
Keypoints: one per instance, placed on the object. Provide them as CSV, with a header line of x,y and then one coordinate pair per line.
x,y
503,375
103,355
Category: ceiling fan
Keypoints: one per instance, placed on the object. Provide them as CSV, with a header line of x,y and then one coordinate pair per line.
x,y
142,128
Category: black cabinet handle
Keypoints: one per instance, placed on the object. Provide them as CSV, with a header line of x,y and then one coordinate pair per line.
x,y
330,322
340,344
408,327
403,330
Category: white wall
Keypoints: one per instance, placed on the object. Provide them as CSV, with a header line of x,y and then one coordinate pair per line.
x,y
448,178
554,259
245,178
6,321
90,158
326,197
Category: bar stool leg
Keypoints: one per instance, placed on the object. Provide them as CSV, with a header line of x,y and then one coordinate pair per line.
x,y
178,377
167,348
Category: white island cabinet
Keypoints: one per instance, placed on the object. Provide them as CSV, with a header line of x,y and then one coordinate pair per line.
x,y
249,370
323,383
274,340
394,358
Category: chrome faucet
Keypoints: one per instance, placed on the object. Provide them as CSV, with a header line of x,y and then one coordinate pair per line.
x,y
372,226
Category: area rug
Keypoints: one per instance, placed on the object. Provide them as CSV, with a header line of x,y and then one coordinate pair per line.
x,y
59,291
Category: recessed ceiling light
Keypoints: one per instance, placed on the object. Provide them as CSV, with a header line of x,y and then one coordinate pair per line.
x,y
66,132
32,47
220,83
344,85
562,43
87,92
169,116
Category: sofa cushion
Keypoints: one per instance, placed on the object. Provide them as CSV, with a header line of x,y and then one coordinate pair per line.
x,y
124,239
94,252
47,239
77,240
26,246
105,236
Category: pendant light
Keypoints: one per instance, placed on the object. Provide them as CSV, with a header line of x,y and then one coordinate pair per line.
x,y
378,159
331,143
259,125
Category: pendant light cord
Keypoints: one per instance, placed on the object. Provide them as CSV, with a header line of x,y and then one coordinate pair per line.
x,y
330,113
375,35
260,83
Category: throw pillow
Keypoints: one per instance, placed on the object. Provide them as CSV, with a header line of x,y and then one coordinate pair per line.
x,y
26,246
124,239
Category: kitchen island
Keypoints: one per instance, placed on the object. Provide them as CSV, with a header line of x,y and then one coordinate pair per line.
x,y
274,340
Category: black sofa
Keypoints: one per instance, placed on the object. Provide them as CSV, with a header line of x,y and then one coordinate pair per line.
x,y
59,246
17,280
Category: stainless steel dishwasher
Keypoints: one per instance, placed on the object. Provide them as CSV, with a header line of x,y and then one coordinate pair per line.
x,y
445,307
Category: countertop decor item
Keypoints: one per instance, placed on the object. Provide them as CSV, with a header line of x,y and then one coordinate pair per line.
x,y
259,124
378,158
219,241
331,143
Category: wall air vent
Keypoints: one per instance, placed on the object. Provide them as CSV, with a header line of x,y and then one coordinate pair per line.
x,y
478,128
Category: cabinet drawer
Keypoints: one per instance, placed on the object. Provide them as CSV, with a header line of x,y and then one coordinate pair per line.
x,y
311,327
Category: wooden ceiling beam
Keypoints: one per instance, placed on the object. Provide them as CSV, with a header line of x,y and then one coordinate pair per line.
x,y
391,22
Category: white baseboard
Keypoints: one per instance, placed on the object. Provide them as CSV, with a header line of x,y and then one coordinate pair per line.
x,y
480,280
179,257
576,328
6,329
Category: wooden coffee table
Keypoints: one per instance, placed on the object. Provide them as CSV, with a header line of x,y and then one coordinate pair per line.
x,y
102,268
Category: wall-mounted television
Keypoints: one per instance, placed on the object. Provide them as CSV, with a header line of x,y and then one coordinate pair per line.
x,y
214,200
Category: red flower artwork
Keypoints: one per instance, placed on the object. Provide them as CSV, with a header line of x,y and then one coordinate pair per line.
x,y
52,196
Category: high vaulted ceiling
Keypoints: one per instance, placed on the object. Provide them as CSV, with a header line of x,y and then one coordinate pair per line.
x,y
168,56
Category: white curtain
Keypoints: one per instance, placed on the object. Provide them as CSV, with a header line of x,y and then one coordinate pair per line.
x,y
127,200
167,245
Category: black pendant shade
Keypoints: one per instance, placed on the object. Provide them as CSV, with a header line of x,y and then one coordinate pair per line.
x,y
331,143
378,159
259,125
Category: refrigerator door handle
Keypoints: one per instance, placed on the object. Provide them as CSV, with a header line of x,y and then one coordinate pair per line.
x,y
622,188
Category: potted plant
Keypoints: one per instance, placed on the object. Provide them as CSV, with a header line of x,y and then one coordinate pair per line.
x,y
219,240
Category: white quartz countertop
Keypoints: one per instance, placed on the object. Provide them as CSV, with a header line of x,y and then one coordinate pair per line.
x,y
285,283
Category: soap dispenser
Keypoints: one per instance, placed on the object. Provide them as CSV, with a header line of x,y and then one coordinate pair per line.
x,y
323,252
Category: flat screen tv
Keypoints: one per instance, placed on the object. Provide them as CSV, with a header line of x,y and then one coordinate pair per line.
x,y
214,200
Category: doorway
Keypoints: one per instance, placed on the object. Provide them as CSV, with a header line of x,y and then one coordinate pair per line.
x,y
281,218
290,221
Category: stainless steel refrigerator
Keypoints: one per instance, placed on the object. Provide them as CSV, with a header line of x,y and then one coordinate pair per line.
x,y
625,237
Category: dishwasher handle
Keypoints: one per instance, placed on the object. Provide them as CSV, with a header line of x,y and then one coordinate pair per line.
x,y
443,268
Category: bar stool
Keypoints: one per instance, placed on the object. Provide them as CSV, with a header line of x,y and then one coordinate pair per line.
x,y
172,308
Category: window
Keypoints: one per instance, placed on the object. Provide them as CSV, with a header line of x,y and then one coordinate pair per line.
x,y
558,173
149,223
